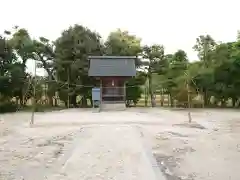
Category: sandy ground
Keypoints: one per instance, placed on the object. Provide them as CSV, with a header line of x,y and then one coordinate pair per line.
x,y
137,143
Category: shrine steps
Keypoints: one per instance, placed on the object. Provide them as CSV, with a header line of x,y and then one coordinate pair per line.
x,y
113,106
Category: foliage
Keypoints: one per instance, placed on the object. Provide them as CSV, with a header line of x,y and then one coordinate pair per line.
x,y
133,88
121,43
71,62
156,63
7,106
205,46
65,61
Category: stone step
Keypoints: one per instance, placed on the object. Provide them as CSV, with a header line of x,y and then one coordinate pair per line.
x,y
113,107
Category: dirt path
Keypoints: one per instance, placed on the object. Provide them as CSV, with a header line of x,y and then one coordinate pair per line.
x,y
80,144
111,152
70,145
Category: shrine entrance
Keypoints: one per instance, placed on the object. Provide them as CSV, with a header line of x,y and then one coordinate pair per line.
x,y
113,89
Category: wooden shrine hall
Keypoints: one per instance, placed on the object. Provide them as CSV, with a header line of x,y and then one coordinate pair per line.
x,y
112,73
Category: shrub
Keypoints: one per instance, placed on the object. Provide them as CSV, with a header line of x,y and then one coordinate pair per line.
x,y
133,94
8,106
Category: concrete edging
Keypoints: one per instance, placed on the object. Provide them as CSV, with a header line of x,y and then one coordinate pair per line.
x,y
149,155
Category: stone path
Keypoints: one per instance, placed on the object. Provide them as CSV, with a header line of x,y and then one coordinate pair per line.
x,y
112,152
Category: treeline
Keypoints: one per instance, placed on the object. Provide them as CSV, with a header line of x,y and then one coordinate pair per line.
x,y
65,60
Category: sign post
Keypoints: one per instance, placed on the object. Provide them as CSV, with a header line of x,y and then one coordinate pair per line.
x,y
96,98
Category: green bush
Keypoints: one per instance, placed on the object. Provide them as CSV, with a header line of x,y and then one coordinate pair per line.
x,y
133,94
8,106
133,89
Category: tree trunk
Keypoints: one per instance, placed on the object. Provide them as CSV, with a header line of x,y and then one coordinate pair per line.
x,y
168,100
21,100
162,103
73,100
55,102
171,100
234,100
135,103
205,98
84,101
91,101
162,97
66,104
146,97
24,102
50,99
223,103
17,100
153,103
150,90
216,102
127,103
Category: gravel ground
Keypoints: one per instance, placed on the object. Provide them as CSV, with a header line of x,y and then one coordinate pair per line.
x,y
206,149
79,144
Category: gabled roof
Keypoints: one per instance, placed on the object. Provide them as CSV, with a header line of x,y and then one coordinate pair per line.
x,y
112,66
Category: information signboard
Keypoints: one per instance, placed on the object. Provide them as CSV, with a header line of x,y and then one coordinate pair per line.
x,y
96,94
96,97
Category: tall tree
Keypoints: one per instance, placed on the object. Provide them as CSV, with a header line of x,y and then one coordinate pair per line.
x,y
122,43
155,56
44,55
175,75
205,45
22,45
72,51
6,61
12,75
180,59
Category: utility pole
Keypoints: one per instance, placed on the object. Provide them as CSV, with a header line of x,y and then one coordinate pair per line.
x,y
34,94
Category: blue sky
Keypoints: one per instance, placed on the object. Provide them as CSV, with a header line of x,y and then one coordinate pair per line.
x,y
173,23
